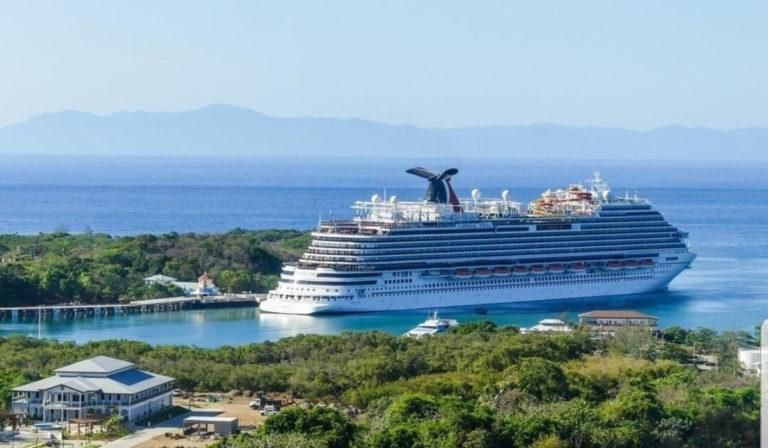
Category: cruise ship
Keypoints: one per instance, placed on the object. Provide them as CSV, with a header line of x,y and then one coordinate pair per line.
x,y
574,242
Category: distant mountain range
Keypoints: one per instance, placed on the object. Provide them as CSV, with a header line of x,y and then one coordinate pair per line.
x,y
233,131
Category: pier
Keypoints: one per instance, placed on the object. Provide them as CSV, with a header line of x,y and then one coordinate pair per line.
x,y
80,311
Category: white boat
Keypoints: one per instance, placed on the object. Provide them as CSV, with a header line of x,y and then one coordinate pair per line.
x,y
569,244
432,325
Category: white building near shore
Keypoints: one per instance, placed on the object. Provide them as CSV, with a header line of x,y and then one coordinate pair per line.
x,y
202,287
548,326
99,385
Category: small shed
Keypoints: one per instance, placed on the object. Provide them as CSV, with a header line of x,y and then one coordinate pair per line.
x,y
222,426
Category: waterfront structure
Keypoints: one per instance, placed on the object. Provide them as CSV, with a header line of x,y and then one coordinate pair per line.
x,y
202,287
205,286
548,326
606,322
96,386
159,279
440,252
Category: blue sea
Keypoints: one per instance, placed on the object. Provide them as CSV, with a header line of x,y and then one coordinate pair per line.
x,y
724,206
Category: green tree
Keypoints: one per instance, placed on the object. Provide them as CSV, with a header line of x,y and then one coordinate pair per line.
x,y
541,378
328,426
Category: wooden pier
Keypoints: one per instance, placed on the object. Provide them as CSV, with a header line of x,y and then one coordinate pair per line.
x,y
79,311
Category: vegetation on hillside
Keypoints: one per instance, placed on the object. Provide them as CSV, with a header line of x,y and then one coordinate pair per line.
x,y
476,386
98,268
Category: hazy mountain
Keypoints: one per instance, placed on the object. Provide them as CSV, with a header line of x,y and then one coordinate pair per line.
x,y
228,130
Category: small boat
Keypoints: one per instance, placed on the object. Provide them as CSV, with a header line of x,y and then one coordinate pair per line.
x,y
614,265
483,272
481,310
556,268
520,270
538,269
577,267
501,271
462,273
631,264
647,263
431,326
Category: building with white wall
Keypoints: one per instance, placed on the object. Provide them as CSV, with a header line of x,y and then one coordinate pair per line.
x,y
749,358
99,385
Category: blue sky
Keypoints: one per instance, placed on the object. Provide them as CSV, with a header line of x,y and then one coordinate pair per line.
x,y
432,63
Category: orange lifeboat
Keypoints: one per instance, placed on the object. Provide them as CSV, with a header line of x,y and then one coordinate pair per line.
x,y
462,273
483,272
501,271
614,266
538,269
556,268
647,263
577,267
520,270
631,264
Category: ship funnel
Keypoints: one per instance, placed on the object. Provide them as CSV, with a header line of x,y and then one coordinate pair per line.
x,y
439,190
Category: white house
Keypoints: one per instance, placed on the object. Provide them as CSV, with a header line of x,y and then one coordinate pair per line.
x,y
548,326
158,279
202,287
99,385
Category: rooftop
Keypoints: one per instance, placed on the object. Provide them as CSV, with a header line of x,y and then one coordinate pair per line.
x,y
101,373
97,364
616,314
207,419
160,277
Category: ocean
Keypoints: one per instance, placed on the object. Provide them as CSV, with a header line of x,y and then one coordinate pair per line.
x,y
724,206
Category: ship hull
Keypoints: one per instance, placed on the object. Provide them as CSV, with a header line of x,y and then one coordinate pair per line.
x,y
493,291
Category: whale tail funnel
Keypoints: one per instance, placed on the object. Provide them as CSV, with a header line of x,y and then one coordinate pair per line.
x,y
439,190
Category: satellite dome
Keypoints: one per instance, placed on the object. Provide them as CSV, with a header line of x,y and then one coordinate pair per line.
x,y
375,198
505,195
476,194
393,200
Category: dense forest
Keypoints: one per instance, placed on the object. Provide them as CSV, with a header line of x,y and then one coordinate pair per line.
x,y
477,386
98,268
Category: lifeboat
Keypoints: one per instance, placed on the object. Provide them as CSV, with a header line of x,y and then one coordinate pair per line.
x,y
614,265
483,272
462,273
631,264
577,267
520,270
556,268
538,269
501,271
647,263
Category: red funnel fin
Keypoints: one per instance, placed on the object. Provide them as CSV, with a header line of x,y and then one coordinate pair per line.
x,y
452,199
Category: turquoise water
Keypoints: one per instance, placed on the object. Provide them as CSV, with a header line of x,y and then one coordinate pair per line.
x,y
703,296
724,207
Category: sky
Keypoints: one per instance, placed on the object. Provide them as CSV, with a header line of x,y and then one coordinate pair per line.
x,y
637,65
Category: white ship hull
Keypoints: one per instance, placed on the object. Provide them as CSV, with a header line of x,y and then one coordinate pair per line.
x,y
490,291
